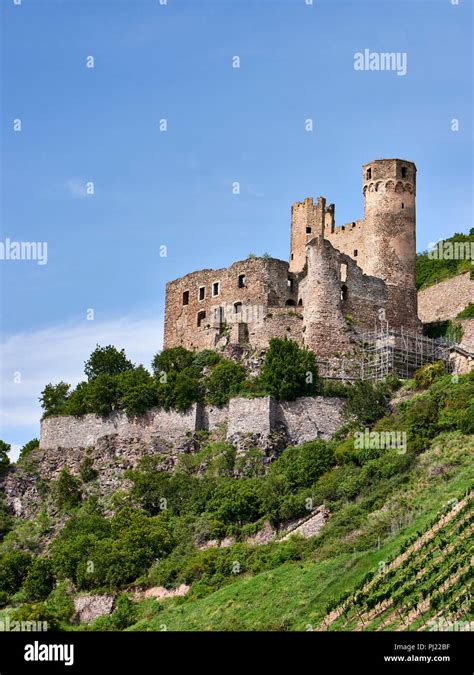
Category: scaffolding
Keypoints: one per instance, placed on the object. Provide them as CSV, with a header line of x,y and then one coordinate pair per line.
x,y
384,352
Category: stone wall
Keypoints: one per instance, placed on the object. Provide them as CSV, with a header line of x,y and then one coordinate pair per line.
x,y
302,420
443,301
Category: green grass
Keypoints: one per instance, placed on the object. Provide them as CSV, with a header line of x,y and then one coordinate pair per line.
x,y
294,596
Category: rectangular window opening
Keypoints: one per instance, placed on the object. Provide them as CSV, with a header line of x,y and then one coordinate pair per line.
x,y
186,298
215,288
202,293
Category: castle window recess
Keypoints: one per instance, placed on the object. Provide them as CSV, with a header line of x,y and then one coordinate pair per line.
x,y
369,174
404,172
343,272
237,307
186,298
241,283
202,293
308,230
403,205
290,285
355,253
344,292
215,288
200,318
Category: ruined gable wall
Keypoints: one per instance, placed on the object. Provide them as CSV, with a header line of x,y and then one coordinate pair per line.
x,y
266,285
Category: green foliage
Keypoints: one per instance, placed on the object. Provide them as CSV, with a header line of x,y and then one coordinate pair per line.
x,y
208,358
224,382
14,566
53,399
38,613
87,471
366,402
106,361
180,389
430,270
237,501
426,375
67,491
6,520
79,401
302,465
27,448
4,459
102,394
39,581
136,391
108,554
467,312
288,371
175,359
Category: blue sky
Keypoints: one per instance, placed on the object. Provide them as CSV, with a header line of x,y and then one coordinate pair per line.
x,y
225,124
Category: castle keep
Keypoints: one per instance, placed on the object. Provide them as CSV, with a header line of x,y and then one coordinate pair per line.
x,y
339,281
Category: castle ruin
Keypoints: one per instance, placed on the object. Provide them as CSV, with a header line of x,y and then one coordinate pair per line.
x,y
339,281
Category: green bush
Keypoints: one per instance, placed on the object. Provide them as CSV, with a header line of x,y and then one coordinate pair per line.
x,y
53,399
136,391
87,471
224,382
67,491
288,371
208,358
106,361
301,466
39,581
175,360
237,501
426,375
4,459
14,566
467,312
366,402
27,448
102,394
37,613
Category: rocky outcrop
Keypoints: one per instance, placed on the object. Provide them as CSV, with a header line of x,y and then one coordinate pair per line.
x,y
89,607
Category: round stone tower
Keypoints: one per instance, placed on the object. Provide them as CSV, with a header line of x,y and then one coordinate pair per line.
x,y
389,187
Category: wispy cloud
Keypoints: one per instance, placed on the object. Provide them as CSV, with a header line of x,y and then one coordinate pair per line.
x,y
30,360
76,188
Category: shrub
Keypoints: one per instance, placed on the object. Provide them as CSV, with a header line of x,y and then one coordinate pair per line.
x,y
53,399
14,566
106,361
238,501
467,312
27,448
37,613
102,394
208,358
426,375
288,371
39,581
67,491
78,403
175,359
136,391
179,390
224,382
4,459
87,471
302,465
366,402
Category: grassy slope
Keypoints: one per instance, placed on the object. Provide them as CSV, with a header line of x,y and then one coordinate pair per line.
x,y
294,596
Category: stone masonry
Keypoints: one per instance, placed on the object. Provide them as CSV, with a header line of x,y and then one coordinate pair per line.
x,y
338,281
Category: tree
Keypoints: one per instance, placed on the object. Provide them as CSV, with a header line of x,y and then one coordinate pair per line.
x,y
53,399
78,402
136,391
174,359
27,448
289,371
224,381
4,459
67,491
366,402
39,581
180,390
102,394
106,361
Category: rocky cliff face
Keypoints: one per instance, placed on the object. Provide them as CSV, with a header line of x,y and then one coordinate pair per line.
x,y
115,443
